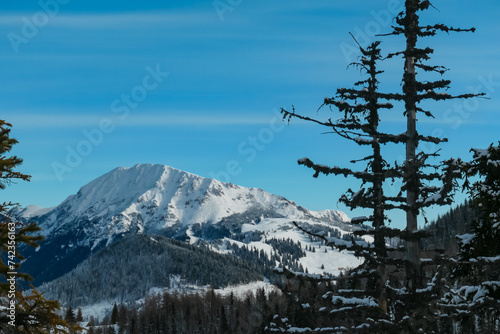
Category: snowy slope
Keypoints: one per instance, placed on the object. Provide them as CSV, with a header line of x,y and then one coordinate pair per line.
x,y
323,259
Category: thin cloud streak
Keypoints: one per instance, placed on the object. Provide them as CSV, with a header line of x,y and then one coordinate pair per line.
x,y
46,121
116,20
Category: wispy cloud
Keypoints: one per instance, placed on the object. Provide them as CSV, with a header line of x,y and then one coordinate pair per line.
x,y
117,20
196,120
80,120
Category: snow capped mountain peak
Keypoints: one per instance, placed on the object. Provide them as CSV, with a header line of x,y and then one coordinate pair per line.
x,y
159,199
331,215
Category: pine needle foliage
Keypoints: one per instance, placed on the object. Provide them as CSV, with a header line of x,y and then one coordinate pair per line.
x,y
474,300
32,313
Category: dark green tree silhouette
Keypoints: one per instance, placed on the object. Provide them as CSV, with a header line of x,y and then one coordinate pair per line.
x,y
475,301
114,315
20,313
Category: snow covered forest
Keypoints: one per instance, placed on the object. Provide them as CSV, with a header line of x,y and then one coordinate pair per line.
x,y
441,276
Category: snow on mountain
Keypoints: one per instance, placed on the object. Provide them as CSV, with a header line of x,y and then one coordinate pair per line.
x,y
323,259
331,215
155,198
32,211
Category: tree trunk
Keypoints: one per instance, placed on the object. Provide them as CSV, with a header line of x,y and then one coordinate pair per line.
x,y
410,91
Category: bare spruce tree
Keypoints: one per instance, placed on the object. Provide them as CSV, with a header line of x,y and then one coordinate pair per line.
x,y
360,107
415,91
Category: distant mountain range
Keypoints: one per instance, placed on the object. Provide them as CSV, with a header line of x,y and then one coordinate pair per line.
x,y
166,203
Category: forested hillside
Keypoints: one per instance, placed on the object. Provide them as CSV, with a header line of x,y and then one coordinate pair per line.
x,y
446,227
194,314
127,270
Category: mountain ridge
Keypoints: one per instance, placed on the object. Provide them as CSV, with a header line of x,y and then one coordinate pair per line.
x,y
166,195
158,200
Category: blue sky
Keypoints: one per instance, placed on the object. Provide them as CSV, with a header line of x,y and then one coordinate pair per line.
x,y
90,86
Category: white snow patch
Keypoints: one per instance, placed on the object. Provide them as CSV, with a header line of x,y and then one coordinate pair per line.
x,y
241,291
34,211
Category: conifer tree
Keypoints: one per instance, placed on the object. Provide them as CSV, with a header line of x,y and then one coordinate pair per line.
x,y
404,299
475,301
360,108
485,196
19,312
114,314
79,315
360,123
70,315
419,194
